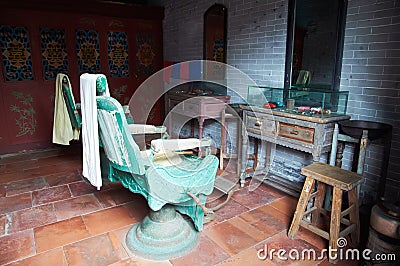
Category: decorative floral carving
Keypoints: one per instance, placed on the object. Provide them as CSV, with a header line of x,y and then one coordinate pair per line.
x,y
88,51
17,60
54,52
145,47
26,121
118,54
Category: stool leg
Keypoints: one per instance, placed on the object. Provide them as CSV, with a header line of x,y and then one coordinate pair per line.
x,y
319,200
301,206
354,216
335,221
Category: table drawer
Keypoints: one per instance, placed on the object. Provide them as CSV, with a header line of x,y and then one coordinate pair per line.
x,y
215,109
304,134
190,108
261,124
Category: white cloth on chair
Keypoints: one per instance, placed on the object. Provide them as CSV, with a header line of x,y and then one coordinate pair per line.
x,y
90,136
63,132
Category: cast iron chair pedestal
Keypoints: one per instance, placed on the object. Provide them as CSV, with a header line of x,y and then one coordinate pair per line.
x,y
162,235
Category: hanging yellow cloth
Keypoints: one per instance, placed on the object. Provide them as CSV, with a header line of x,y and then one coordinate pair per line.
x,y
63,132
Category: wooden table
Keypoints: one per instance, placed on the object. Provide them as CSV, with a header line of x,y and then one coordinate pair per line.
x,y
311,134
191,106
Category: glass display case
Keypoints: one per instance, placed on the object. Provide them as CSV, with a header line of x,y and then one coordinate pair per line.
x,y
304,101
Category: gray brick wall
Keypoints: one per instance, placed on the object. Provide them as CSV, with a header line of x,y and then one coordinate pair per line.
x,y
256,35
256,46
256,41
371,72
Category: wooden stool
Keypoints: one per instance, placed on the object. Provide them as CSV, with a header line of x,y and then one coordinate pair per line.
x,y
341,180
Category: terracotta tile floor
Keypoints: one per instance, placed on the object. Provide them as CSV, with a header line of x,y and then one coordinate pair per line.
x,y
49,215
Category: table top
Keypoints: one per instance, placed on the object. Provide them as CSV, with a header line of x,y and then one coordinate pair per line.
x,y
320,119
224,98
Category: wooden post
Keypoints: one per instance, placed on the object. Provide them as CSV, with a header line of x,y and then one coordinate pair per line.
x,y
339,154
332,158
333,162
363,151
223,141
244,156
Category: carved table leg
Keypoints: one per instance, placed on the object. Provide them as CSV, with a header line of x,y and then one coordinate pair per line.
x,y
245,141
201,125
339,154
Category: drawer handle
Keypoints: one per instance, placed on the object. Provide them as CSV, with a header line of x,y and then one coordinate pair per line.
x,y
294,132
258,123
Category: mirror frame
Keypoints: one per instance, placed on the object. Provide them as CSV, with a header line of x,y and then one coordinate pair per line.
x,y
341,22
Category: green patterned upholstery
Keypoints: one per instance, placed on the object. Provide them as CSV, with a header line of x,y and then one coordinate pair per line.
x,y
101,84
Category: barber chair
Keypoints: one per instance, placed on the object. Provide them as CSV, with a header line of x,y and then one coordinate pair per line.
x,y
172,182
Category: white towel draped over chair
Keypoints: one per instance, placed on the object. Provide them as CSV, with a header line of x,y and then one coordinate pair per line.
x,y
90,137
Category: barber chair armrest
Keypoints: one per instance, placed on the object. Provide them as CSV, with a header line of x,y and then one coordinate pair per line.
x,y
162,145
142,128
146,129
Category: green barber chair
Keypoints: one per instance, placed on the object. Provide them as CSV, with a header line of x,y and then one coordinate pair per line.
x,y
173,183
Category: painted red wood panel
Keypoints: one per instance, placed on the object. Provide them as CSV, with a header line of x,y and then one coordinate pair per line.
x,y
26,107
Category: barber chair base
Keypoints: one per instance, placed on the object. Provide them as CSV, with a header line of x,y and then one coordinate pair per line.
x,y
162,235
